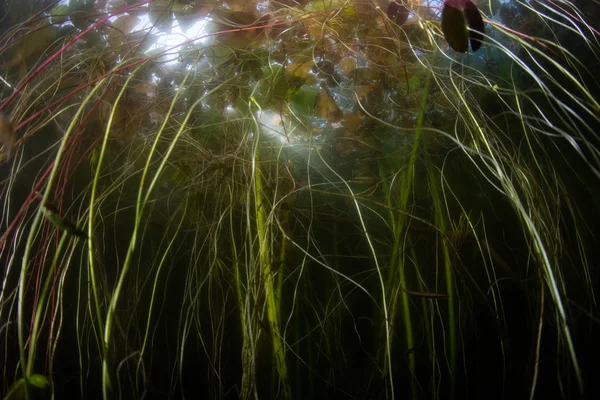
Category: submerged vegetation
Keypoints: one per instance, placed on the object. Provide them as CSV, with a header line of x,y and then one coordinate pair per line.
x,y
299,199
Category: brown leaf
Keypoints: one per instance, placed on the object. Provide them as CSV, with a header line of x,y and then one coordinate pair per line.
x,y
348,65
300,69
363,90
145,89
352,121
326,107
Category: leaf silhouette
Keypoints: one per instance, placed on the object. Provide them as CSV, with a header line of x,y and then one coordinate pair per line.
x,y
454,27
397,13
456,14
476,24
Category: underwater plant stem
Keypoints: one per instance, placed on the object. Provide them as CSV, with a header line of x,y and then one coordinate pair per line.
x,y
284,217
397,274
248,383
92,208
66,46
384,305
91,225
272,302
41,304
441,222
538,343
142,200
163,260
34,230
509,189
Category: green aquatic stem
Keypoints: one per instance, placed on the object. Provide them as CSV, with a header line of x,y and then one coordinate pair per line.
x,y
91,245
440,223
529,227
248,384
263,231
397,282
285,216
449,276
238,192
153,296
405,191
35,227
142,200
272,302
384,306
41,304
91,225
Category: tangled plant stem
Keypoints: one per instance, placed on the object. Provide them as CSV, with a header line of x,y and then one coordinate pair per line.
x,y
340,190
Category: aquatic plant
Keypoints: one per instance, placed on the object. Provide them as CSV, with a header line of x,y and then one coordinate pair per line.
x,y
456,15
298,199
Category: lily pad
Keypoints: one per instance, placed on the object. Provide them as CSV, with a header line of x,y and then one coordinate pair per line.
x,y
327,109
397,13
81,13
476,24
303,100
454,26
456,15
60,14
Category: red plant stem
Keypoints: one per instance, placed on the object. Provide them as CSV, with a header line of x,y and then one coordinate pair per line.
x,y
35,193
517,33
66,46
25,204
120,69
574,17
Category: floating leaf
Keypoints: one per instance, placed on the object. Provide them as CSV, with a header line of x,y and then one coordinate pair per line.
x,y
161,16
365,76
59,14
300,69
247,22
31,44
454,27
476,24
363,90
352,121
397,13
186,20
456,14
81,13
326,107
348,14
348,65
145,89
303,100
179,7
120,28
